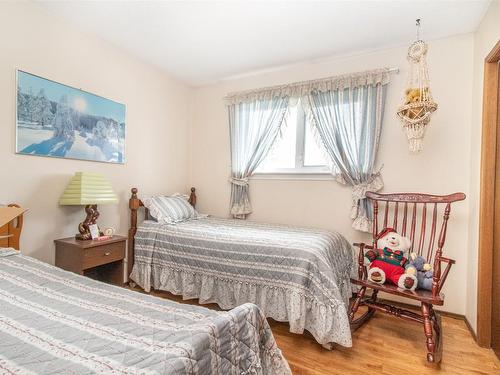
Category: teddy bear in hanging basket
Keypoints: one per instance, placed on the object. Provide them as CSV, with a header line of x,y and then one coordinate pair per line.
x,y
418,105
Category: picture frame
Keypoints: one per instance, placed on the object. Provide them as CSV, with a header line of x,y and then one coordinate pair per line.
x,y
94,231
57,120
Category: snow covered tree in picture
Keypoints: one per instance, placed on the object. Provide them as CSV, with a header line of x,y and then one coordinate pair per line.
x,y
63,124
44,106
113,130
82,132
32,106
101,131
22,111
121,132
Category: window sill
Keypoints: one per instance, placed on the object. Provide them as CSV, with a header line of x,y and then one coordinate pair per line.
x,y
324,176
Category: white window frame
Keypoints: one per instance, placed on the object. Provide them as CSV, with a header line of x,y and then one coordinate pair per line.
x,y
314,171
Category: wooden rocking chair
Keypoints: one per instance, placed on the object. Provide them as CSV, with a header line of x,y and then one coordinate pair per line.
x,y
404,208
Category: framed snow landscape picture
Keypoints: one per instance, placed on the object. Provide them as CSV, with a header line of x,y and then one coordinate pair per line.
x,y
61,121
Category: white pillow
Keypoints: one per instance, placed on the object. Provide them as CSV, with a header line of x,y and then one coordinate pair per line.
x,y
170,209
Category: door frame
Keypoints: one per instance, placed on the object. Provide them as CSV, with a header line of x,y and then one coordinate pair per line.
x,y
489,150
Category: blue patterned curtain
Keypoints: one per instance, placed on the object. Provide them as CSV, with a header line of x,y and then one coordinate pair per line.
x,y
348,121
253,129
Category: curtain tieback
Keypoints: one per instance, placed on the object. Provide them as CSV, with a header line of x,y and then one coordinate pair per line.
x,y
374,184
239,181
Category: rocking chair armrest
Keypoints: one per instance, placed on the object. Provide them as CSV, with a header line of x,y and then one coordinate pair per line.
x,y
447,260
442,278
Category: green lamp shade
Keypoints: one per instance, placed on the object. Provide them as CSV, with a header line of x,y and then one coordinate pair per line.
x,y
88,188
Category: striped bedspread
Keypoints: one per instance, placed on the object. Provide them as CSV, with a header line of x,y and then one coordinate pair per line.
x,y
56,322
293,274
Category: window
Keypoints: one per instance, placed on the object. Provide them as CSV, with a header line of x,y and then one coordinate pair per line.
x,y
297,150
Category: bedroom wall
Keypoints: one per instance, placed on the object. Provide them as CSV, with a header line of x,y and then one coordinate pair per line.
x,y
157,125
485,38
443,167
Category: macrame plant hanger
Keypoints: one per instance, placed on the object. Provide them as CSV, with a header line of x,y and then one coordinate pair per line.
x,y
418,106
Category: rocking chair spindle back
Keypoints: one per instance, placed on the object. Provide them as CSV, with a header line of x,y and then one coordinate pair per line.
x,y
416,216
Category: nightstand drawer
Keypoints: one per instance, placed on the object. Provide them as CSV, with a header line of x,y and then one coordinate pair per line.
x,y
106,253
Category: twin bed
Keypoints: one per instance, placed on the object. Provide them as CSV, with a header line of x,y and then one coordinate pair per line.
x,y
53,321
293,274
56,322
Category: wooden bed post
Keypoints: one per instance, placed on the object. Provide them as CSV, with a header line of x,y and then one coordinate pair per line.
x,y
134,204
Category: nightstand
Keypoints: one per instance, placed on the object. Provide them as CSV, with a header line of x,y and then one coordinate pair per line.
x,y
100,260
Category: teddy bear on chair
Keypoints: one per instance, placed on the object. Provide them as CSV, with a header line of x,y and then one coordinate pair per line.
x,y
387,263
417,265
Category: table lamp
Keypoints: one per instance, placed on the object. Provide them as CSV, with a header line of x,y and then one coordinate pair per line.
x,y
88,189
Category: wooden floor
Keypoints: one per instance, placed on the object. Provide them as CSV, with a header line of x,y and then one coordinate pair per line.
x,y
385,345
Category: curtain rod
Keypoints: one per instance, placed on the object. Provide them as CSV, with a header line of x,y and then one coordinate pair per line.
x,y
229,96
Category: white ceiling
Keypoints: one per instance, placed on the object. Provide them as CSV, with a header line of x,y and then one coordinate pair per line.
x,y
206,41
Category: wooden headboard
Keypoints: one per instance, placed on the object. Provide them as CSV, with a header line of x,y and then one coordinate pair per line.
x,y
134,204
10,233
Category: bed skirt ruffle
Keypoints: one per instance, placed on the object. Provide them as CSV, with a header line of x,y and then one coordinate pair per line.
x,y
327,323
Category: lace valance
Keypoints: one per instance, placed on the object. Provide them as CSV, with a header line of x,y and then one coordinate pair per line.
x,y
299,89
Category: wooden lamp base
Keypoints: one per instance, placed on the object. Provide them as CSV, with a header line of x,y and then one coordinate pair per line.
x,y
84,226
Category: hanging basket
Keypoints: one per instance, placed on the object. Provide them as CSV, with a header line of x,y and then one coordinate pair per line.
x,y
418,106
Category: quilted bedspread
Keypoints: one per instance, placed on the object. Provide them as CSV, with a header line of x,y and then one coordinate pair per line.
x,y
298,275
56,322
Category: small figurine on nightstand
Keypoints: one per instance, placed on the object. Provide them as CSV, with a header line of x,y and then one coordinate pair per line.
x,y
107,234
